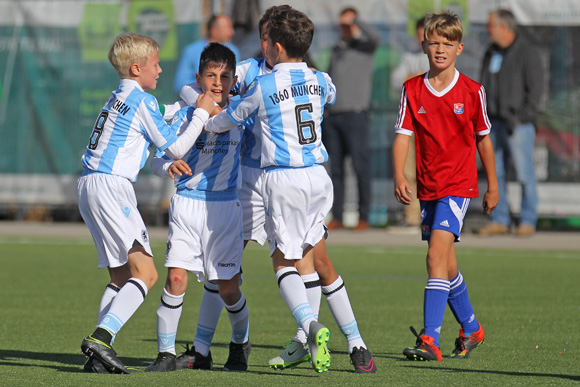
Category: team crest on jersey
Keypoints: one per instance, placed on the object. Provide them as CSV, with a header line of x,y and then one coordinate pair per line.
x,y
144,236
458,108
152,105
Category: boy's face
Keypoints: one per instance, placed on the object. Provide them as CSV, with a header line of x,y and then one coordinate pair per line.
x,y
264,42
217,81
441,51
147,75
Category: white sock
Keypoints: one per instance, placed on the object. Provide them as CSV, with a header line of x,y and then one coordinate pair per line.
x,y
240,321
341,310
124,305
110,293
209,314
312,284
294,293
168,315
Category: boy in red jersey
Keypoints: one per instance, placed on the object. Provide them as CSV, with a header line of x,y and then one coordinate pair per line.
x,y
446,112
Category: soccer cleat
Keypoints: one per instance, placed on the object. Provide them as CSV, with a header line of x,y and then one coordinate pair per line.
x,y
94,366
165,362
294,353
363,361
424,349
464,345
238,357
318,336
193,360
104,353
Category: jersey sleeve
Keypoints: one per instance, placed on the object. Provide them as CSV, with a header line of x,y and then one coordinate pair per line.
x,y
154,125
404,123
246,106
190,93
482,124
246,71
331,90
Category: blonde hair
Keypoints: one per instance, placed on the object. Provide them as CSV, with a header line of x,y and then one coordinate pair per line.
x,y
129,48
445,24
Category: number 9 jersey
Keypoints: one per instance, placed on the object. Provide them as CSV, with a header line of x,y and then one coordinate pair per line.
x,y
288,108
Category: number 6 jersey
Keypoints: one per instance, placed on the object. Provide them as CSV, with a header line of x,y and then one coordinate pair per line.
x,y
288,107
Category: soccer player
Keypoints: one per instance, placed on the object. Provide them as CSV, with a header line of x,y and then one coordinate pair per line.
x,y
129,122
315,275
446,112
205,223
287,106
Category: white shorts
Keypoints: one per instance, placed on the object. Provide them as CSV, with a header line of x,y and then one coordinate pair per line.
x,y
109,208
297,200
254,216
205,237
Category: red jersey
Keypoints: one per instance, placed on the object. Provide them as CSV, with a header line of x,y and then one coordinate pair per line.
x,y
445,124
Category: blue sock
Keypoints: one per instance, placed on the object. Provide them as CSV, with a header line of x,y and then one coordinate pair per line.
x,y
436,294
461,307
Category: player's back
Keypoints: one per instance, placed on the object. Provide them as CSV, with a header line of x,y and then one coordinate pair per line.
x,y
290,106
118,144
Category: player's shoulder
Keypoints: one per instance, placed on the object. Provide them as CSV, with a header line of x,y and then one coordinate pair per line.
x,y
250,62
468,82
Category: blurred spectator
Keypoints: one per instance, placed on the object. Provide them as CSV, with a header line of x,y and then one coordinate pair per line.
x,y
412,63
219,29
345,129
512,74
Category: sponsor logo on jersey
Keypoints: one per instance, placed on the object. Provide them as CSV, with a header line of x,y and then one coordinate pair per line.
x,y
231,264
152,105
445,223
422,110
126,211
199,144
458,108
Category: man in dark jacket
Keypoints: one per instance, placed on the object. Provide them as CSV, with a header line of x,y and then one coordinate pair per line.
x,y
345,129
513,77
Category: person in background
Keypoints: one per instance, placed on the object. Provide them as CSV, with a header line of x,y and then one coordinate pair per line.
x,y
220,30
346,126
512,74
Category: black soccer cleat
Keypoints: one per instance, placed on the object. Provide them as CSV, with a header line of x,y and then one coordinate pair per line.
x,y
104,353
94,366
193,360
238,357
363,361
165,362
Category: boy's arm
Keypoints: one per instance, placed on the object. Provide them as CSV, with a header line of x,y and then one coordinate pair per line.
x,y
400,151
169,111
220,123
190,93
185,141
164,166
485,150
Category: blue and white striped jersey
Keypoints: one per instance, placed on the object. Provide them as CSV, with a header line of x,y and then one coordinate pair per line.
x,y
129,122
247,72
214,159
288,107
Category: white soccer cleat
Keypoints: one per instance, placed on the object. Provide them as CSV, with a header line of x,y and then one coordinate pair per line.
x,y
294,353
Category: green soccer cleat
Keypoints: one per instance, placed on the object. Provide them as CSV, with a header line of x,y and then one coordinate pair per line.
x,y
318,337
294,353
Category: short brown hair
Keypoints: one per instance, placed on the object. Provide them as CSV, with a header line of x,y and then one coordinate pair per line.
x,y
129,48
266,16
446,24
292,29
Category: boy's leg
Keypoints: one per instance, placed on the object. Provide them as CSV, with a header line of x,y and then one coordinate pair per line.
x,y
168,315
124,305
339,304
235,303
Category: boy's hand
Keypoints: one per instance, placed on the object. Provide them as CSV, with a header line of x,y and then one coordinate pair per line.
x,y
216,110
178,168
490,200
205,102
402,191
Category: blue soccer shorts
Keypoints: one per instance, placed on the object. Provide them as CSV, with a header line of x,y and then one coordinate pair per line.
x,y
443,214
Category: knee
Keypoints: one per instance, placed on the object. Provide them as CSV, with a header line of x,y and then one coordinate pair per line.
x,y
230,291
